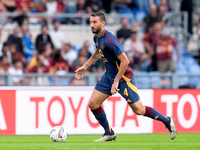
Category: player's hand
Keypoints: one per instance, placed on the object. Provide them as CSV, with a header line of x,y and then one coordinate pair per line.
x,y
114,88
80,71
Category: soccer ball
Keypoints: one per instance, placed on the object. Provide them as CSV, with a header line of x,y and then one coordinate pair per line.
x,y
58,134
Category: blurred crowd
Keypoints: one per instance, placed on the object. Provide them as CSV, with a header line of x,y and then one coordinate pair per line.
x,y
50,53
22,7
155,51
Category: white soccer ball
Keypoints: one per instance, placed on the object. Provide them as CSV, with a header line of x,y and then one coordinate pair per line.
x,y
58,134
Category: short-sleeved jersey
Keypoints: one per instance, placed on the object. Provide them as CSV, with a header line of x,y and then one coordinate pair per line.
x,y
164,48
109,48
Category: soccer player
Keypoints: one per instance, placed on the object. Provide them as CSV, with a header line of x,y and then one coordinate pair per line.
x,y
117,78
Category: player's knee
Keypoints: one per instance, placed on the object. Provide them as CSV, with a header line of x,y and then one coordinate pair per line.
x,y
93,105
139,111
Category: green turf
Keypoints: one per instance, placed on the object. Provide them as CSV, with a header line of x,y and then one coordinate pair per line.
x,y
123,142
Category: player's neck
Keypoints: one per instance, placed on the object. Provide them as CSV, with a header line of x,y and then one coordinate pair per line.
x,y
101,33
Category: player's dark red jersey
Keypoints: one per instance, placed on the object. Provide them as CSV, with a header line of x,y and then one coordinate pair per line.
x,y
109,48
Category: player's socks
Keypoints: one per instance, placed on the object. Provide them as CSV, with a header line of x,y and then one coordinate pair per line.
x,y
152,113
101,117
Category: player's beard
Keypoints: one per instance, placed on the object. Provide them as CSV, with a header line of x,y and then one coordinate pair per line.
x,y
96,31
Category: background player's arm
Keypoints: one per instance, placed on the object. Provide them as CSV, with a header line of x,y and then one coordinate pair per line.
x,y
122,68
80,71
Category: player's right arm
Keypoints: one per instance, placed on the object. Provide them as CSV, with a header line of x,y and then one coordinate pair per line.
x,y
80,71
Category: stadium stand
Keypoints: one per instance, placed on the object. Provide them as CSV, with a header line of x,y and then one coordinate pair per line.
x,y
76,31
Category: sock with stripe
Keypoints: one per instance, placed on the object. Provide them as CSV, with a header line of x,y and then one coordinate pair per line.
x,y
101,117
152,113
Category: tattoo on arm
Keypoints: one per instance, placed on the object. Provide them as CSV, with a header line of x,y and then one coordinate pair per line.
x,y
95,56
87,65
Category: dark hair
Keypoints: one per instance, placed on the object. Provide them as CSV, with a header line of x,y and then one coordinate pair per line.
x,y
100,15
134,32
57,55
68,44
5,44
44,26
54,21
16,61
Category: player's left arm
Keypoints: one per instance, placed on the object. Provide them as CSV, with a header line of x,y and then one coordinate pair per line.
x,y
122,68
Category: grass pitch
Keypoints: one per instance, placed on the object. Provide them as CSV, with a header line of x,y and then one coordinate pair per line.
x,y
184,141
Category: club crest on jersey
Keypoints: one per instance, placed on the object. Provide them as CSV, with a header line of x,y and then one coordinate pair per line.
x,y
101,53
102,47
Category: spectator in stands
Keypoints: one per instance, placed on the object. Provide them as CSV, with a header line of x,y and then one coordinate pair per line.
x,y
60,68
28,46
40,80
16,39
135,51
150,38
164,51
187,5
10,5
83,52
22,3
41,6
15,55
86,46
80,9
107,5
43,38
124,32
61,5
93,6
163,8
25,31
18,71
57,36
6,52
150,18
86,53
46,53
60,64
4,63
69,54
21,19
51,6
40,62
81,61
32,7
3,18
